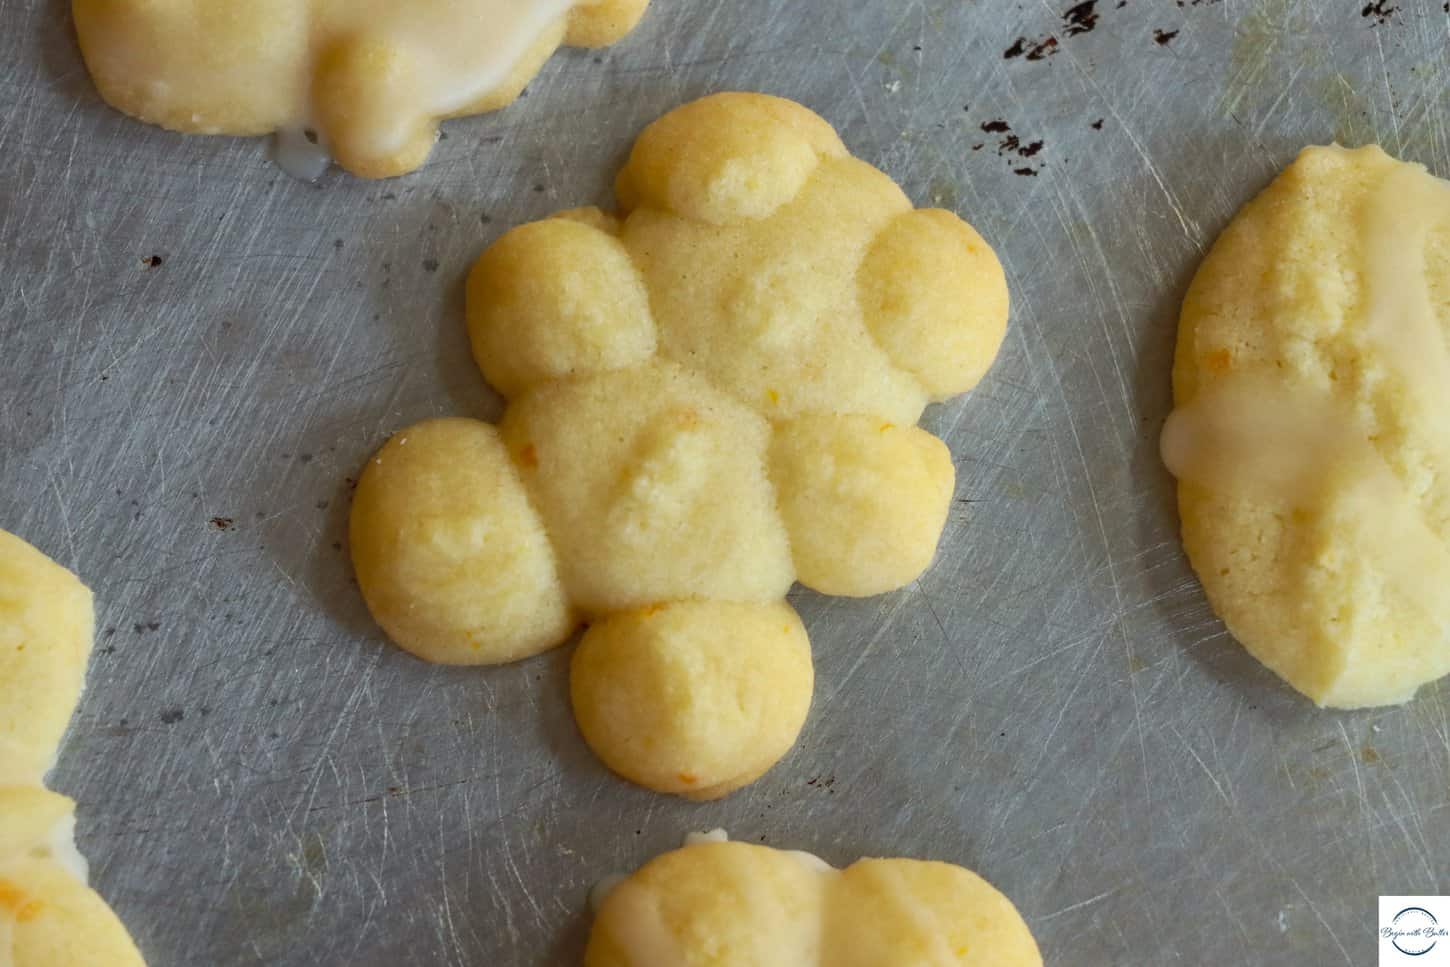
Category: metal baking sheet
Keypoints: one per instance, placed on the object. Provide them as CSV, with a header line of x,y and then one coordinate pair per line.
x,y
199,351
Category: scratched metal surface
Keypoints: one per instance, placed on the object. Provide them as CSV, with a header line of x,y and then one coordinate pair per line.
x,y
263,781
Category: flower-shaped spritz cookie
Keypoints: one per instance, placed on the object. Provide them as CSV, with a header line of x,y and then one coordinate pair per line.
x,y
370,78
723,904
48,916
711,397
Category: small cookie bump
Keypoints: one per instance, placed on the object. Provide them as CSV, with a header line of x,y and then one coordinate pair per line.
x,y
450,556
696,698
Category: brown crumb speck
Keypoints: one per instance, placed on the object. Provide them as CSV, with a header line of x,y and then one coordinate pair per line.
x,y
1380,10
1081,18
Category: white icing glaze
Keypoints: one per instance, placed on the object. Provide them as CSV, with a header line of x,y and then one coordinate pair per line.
x,y
1401,317
61,849
300,153
463,49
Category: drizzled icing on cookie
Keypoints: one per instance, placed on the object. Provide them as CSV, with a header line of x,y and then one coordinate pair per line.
x,y
369,77
458,50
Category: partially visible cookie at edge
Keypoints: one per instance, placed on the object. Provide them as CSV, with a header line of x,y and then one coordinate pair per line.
x,y
49,917
368,80
1312,385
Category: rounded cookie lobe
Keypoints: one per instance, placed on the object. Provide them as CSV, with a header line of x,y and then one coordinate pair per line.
x,y
919,913
695,697
726,158
451,558
47,621
366,94
711,905
864,501
1311,381
57,919
556,299
935,297
48,916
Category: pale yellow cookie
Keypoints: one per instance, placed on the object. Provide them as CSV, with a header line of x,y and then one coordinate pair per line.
x,y
1310,438
48,916
711,396
723,904
371,78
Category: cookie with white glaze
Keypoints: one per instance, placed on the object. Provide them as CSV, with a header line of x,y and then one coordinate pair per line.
x,y
1310,438
370,79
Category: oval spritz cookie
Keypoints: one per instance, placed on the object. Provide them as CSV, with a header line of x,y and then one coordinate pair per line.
x,y
1310,437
